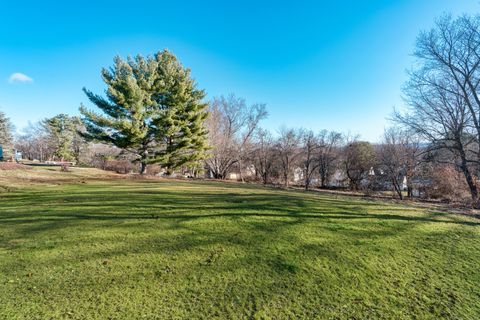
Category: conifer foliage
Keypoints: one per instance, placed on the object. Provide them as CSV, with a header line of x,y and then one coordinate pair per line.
x,y
152,109
63,136
6,137
6,129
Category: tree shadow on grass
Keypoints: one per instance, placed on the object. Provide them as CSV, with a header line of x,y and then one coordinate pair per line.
x,y
53,209
17,219
206,233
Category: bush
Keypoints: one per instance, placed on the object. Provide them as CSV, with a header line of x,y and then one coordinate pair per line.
x,y
120,166
448,184
154,169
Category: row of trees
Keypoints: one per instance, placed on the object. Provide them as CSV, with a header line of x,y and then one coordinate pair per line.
x,y
153,113
300,156
303,156
57,138
309,156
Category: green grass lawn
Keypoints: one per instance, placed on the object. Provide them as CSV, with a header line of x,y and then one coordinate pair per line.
x,y
123,249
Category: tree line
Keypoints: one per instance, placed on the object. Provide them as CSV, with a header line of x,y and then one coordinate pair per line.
x,y
152,115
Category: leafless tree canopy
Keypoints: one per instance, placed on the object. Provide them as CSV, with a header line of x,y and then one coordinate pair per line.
x,y
330,144
442,94
231,126
399,157
287,151
264,156
309,148
33,143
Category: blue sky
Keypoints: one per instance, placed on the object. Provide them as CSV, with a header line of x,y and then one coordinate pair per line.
x,y
317,64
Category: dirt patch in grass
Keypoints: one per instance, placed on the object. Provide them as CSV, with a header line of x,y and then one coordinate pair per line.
x,y
13,166
25,176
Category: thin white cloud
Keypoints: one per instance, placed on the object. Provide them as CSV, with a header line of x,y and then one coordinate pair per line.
x,y
19,77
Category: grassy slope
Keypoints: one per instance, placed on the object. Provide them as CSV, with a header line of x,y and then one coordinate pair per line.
x,y
166,249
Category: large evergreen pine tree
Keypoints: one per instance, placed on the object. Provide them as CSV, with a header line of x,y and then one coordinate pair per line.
x,y
152,109
181,131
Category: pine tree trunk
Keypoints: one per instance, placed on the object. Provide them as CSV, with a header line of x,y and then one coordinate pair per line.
x,y
143,161
143,168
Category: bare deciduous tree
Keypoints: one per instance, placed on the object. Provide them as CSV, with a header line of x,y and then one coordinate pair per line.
x,y
287,149
329,149
439,114
309,149
398,158
33,143
441,108
449,56
231,127
264,155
